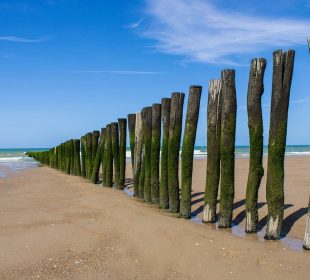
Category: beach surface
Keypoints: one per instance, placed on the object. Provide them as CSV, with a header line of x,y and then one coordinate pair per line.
x,y
56,226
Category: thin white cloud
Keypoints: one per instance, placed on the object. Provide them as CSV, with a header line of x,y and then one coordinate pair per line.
x,y
202,31
16,39
117,72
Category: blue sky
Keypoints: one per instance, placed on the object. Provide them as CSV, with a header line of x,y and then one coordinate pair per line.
x,y
71,66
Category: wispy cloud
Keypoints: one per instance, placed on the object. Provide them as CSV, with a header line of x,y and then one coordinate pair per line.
x,y
16,39
202,31
116,72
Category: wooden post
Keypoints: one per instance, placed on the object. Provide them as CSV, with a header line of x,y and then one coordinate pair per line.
x,y
108,157
83,160
283,63
255,123
175,130
213,151
77,157
71,154
88,154
122,124
155,152
97,162
94,145
227,148
137,153
147,140
163,187
115,152
142,175
103,141
306,245
188,149
131,128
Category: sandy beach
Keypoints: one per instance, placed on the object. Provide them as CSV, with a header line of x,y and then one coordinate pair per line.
x,y
56,226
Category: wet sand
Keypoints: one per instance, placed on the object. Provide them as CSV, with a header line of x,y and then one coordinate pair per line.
x,y
55,226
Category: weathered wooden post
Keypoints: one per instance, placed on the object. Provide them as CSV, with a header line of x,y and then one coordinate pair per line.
x,y
88,154
283,64
131,127
97,162
175,130
77,157
142,175
227,148
103,145
94,148
255,123
108,157
163,187
213,151
68,158
147,141
83,157
137,153
115,152
122,124
155,152
71,155
306,245
188,149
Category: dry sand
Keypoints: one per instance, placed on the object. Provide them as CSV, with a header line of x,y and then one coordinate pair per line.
x,y
55,226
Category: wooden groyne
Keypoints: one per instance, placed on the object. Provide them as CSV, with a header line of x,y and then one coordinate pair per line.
x,y
155,135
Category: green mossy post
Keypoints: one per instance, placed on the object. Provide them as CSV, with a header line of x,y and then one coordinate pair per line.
x,y
306,244
131,127
103,145
227,148
83,157
188,149
155,152
213,151
142,176
255,123
97,162
147,140
122,124
283,64
71,155
137,153
88,154
94,145
163,186
115,153
77,160
67,153
175,130
108,158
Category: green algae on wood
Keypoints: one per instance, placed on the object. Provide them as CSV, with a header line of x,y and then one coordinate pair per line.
x,y
213,151
155,152
227,147
175,130
94,145
137,153
122,124
163,187
283,64
255,123
97,162
188,145
77,157
108,158
83,160
147,141
103,141
131,127
115,152
142,175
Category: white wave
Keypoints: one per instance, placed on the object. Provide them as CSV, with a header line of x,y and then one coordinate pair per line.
x,y
297,153
11,159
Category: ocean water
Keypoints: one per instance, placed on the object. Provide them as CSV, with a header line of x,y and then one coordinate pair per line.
x,y
14,160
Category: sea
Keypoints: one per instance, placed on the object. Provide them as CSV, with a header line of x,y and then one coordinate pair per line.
x,y
12,161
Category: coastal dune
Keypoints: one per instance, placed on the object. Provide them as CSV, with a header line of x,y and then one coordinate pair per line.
x,y
55,226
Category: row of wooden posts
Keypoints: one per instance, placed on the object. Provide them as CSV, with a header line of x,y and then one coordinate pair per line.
x,y
155,140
